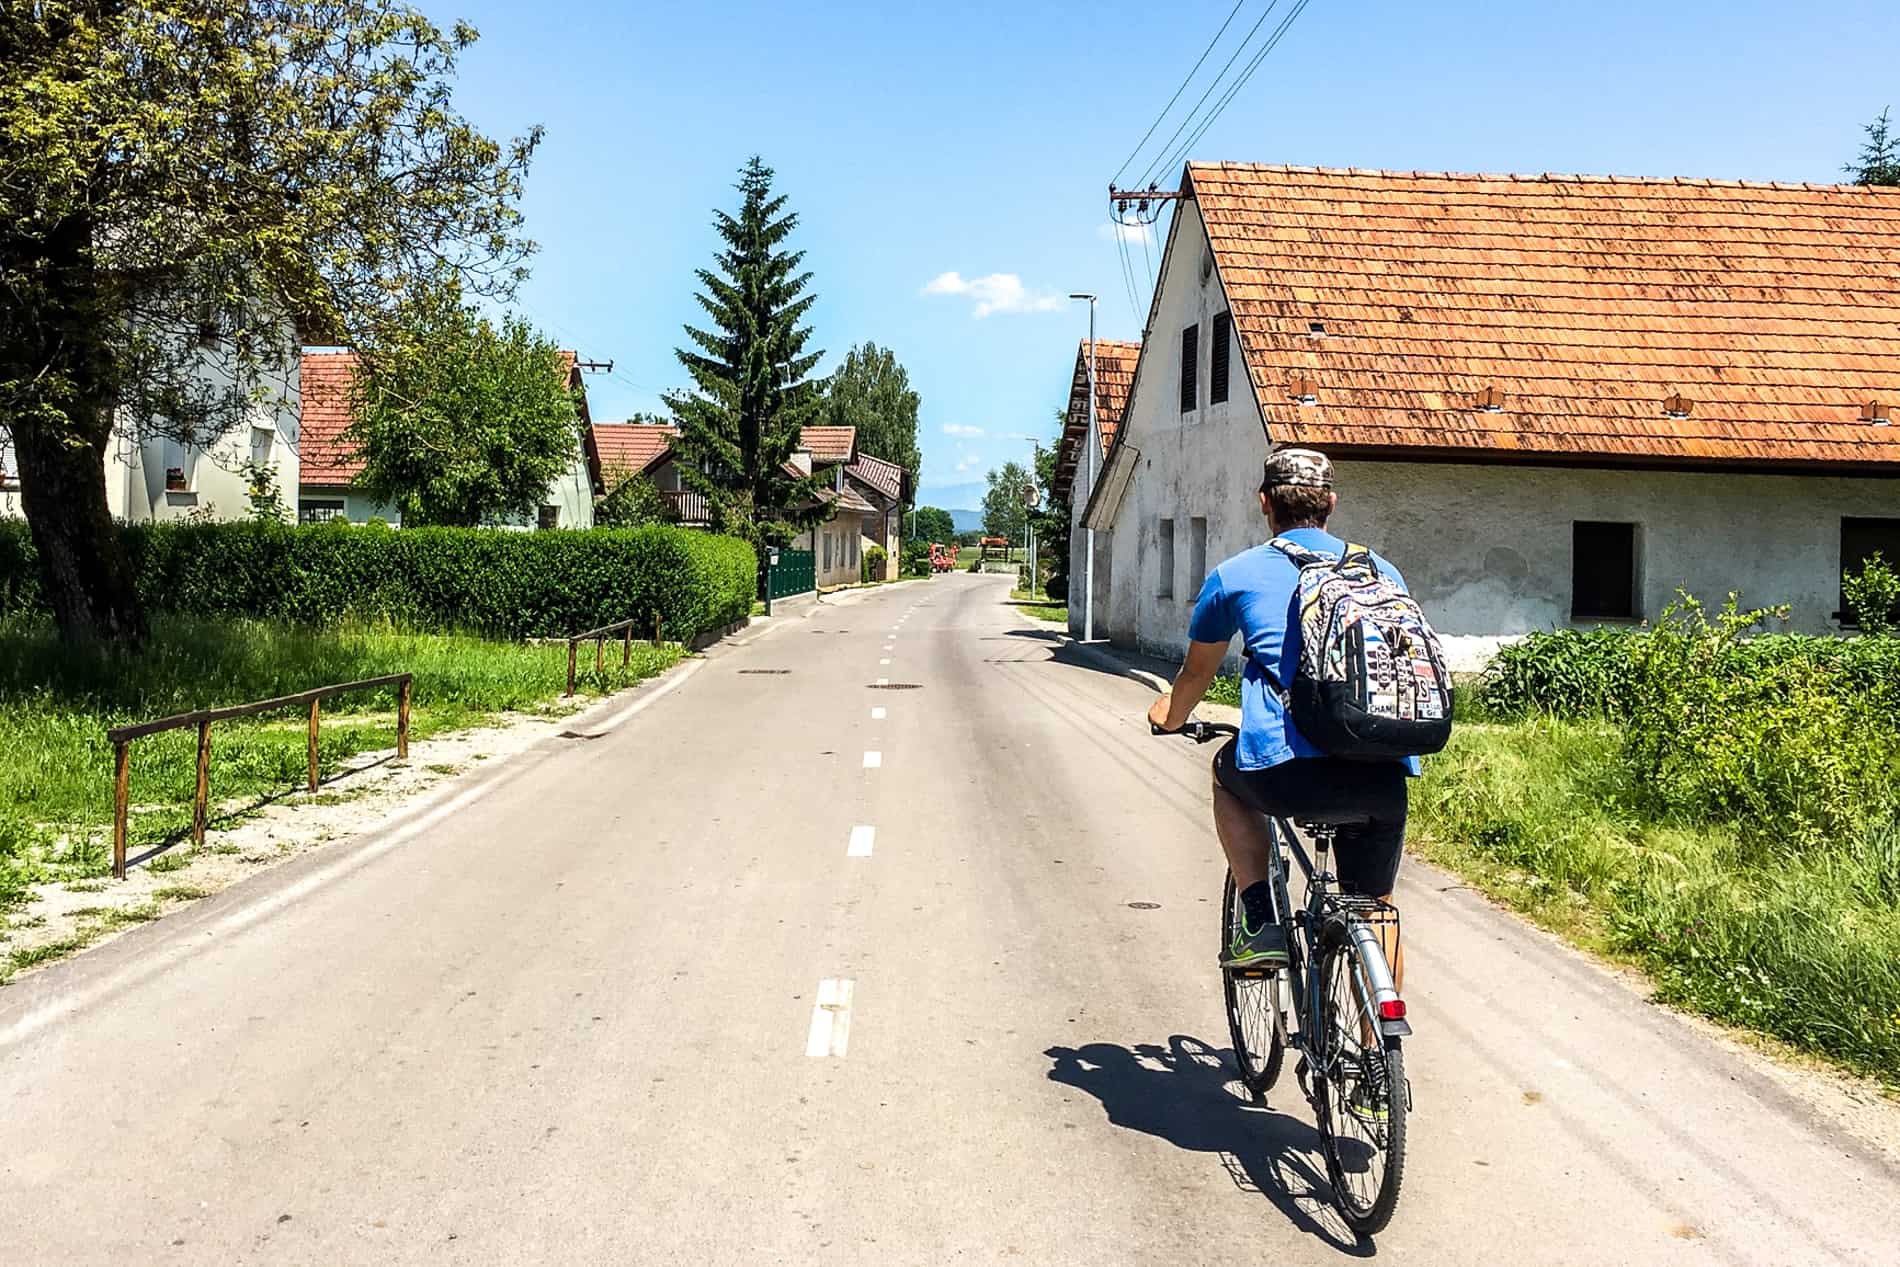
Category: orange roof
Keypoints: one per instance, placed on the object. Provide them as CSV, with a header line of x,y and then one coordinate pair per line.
x,y
829,444
323,384
324,456
628,447
1769,313
1114,374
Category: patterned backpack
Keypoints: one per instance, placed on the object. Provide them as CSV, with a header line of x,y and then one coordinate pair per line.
x,y
1372,681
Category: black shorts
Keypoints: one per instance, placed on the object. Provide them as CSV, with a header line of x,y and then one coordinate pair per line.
x,y
1366,799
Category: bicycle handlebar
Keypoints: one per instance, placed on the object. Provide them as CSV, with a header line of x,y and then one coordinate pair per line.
x,y
1198,731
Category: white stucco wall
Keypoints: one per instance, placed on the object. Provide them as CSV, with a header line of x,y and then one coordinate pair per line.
x,y
215,484
1486,547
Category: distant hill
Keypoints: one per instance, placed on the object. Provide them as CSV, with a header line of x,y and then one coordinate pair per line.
x,y
966,520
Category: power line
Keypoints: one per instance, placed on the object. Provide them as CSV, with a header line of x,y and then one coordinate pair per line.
x,y
1178,91
1128,269
1246,39
1273,41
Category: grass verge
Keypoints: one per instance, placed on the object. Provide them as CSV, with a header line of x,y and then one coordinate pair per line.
x,y
1799,943
56,702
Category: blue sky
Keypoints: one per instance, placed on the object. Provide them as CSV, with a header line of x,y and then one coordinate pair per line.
x,y
978,139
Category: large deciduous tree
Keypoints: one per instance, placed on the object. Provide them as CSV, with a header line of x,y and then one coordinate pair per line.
x,y
187,188
1051,520
458,421
1006,504
872,392
740,425
931,523
1879,161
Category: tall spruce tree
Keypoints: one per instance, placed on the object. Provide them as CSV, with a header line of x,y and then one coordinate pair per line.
x,y
740,426
1879,161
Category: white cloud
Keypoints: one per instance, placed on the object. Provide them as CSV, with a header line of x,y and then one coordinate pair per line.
x,y
1135,234
958,429
997,292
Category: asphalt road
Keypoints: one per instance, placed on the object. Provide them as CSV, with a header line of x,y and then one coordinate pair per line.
x,y
759,973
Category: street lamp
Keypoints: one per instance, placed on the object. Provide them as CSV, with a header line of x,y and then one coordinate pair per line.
x,y
1088,455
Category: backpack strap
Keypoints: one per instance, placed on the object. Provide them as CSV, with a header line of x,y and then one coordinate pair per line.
x,y
1301,556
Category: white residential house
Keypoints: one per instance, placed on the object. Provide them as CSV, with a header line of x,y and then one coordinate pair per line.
x,y
326,485
1080,455
151,479
1551,401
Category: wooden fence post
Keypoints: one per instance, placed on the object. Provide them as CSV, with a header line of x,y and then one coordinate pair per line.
x,y
600,652
121,793
201,802
626,646
402,721
656,629
570,666
316,709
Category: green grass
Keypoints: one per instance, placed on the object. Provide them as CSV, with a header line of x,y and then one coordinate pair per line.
x,y
1799,944
1224,690
56,702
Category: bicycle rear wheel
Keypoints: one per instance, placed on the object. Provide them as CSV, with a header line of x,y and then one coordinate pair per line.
x,y
1254,1019
1361,1096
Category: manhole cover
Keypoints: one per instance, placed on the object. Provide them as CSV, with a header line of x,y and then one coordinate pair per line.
x,y
1144,906
766,672
894,686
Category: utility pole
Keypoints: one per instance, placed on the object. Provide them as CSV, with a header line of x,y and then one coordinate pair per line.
x,y
1088,456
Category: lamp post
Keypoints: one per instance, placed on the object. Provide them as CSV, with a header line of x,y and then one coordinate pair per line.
x,y
1088,455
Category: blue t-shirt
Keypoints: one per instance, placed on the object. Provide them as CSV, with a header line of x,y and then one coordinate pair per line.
x,y
1252,594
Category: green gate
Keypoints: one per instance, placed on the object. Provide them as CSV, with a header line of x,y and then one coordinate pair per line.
x,y
796,572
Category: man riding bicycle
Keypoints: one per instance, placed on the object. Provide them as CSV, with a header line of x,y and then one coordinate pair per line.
x,y
1271,768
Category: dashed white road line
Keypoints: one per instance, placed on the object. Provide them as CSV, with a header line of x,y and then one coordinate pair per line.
x,y
885,660
830,1019
883,681
877,714
873,759
861,838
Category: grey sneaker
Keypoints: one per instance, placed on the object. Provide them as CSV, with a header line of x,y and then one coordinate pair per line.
x,y
1262,949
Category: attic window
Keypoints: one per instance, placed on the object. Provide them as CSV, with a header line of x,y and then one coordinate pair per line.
x,y
1877,412
1220,358
1678,406
1491,399
1305,391
1316,329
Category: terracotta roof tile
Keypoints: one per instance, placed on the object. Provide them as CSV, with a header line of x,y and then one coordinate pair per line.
x,y
1114,374
882,477
830,444
628,447
1587,301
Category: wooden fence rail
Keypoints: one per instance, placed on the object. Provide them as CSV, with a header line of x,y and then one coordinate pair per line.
x,y
122,737
622,627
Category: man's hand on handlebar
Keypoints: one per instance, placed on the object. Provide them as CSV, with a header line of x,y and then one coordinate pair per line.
x,y
1158,714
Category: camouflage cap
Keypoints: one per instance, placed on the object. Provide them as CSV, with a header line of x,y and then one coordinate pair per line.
x,y
1300,468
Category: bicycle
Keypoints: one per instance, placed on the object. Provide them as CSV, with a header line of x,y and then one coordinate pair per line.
x,y
1335,1005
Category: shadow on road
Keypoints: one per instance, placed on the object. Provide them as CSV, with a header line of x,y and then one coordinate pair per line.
x,y
1181,1093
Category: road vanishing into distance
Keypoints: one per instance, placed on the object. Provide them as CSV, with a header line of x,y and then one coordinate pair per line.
x,y
764,964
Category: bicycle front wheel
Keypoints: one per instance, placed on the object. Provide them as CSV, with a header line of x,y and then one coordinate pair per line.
x,y
1362,1096
1254,1019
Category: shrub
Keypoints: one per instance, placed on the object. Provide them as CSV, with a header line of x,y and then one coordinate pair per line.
x,y
916,558
871,564
1873,596
1057,589
490,581
1565,673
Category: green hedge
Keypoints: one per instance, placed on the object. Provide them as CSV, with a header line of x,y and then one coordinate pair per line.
x,y
490,581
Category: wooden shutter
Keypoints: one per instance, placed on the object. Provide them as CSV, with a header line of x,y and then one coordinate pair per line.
x,y
1190,365
1223,336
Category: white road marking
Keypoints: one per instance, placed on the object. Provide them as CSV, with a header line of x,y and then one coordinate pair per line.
x,y
883,681
861,838
877,714
887,646
830,1019
873,759
885,660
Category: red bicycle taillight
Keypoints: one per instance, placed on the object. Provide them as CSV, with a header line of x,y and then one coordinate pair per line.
x,y
1392,1010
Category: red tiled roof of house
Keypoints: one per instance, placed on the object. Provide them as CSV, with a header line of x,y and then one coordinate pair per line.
x,y
1114,375
886,479
323,384
628,447
324,456
846,498
830,444
1660,321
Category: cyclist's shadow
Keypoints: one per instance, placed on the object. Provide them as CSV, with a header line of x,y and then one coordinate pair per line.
x,y
1181,1093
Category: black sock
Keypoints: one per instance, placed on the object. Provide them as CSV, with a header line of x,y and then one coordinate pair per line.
x,y
1257,900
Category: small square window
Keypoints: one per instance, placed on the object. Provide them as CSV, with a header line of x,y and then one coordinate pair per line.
x,y
1861,539
1603,573
550,517
1164,548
